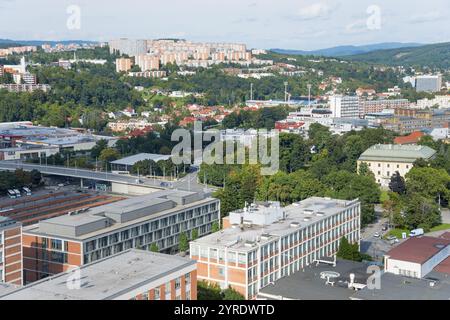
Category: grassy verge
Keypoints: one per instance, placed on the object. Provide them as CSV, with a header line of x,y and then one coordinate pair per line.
x,y
444,226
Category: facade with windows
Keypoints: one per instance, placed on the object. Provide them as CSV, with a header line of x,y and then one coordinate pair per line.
x,y
384,160
130,275
10,251
265,242
158,219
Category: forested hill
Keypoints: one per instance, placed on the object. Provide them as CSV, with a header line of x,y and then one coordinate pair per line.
x,y
433,55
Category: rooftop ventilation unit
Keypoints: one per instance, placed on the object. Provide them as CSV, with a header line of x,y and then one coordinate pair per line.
x,y
320,214
295,224
249,244
306,219
308,211
265,236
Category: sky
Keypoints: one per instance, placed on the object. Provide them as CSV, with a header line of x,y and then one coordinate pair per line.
x,y
287,24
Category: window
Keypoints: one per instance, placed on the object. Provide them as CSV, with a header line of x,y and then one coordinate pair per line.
x,y
1,238
177,283
157,294
145,296
56,244
221,272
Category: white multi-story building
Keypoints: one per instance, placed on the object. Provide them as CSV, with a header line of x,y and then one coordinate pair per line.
x,y
265,242
442,102
344,106
384,160
428,83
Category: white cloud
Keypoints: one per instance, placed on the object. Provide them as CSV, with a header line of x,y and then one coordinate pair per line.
x,y
426,17
316,10
357,26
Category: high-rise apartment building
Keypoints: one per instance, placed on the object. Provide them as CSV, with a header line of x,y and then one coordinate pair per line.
x,y
265,242
147,62
55,245
429,83
123,64
129,47
345,106
10,251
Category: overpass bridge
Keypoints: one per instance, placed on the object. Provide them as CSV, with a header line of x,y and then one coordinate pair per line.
x,y
120,183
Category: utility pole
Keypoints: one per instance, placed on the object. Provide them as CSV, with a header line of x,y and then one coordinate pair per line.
x,y
309,94
251,91
285,92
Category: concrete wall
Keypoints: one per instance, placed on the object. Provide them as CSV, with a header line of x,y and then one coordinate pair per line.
x,y
131,189
394,266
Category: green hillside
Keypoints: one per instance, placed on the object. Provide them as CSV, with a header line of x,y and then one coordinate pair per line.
x,y
434,55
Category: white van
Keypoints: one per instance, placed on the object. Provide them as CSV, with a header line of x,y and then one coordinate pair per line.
x,y
416,232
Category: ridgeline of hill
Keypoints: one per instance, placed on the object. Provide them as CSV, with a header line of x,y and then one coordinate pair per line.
x,y
342,51
433,55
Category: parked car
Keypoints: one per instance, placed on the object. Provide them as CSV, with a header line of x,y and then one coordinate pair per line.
x,y
384,228
376,234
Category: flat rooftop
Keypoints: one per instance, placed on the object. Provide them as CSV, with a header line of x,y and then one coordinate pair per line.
x,y
307,284
121,214
397,153
435,286
105,279
418,249
298,215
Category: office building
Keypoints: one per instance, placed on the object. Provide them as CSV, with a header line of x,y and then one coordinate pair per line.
x,y
428,83
384,160
10,251
345,106
129,275
123,64
265,242
375,106
55,245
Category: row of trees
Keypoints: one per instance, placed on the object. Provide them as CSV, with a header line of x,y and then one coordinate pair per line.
x,y
322,165
19,179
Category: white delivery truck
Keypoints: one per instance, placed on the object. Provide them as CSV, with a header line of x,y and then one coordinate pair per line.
x,y
416,232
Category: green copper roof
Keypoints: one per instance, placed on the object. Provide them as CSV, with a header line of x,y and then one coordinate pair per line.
x,y
397,153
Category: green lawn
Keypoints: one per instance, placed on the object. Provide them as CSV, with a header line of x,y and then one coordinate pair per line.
x,y
441,227
396,233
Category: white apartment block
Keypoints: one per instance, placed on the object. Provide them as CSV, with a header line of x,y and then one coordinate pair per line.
x,y
344,106
265,242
